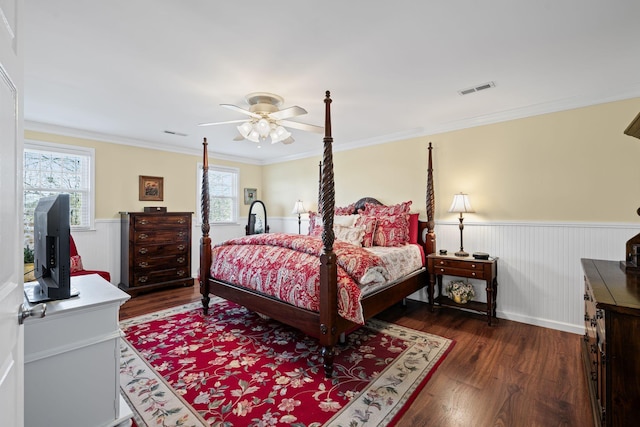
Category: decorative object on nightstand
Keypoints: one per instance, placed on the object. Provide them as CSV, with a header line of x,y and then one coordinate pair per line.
x,y
460,292
461,204
298,209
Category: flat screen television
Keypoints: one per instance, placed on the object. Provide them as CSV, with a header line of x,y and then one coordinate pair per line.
x,y
51,233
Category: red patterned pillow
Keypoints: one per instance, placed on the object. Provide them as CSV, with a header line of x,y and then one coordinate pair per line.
x,y
400,208
346,210
76,264
369,224
391,230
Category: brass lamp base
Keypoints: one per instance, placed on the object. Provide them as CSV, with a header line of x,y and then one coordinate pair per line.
x,y
461,253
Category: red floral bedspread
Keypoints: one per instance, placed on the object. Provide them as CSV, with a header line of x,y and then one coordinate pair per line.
x,y
287,266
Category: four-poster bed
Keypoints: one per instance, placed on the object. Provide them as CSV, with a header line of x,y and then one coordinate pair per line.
x,y
324,323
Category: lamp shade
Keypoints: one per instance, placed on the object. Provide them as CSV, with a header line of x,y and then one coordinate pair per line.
x,y
461,204
298,208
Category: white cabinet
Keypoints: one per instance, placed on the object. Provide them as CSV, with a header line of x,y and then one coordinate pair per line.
x,y
72,359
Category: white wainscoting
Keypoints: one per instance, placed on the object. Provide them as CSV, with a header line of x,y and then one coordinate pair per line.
x,y
539,272
540,279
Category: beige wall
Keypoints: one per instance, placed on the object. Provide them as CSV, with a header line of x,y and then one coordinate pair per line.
x,y
119,166
574,165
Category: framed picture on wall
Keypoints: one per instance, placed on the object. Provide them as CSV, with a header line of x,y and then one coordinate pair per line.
x,y
151,188
250,195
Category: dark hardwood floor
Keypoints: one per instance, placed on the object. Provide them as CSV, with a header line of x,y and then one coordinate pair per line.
x,y
510,374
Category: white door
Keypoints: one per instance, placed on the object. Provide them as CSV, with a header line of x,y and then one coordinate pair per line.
x,y
11,230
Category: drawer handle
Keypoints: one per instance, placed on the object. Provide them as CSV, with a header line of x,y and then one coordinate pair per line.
x,y
442,270
143,251
181,247
181,234
182,221
143,264
181,273
473,266
473,273
143,279
441,262
143,236
143,222
181,259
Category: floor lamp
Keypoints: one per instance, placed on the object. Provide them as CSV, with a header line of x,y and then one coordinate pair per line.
x,y
298,209
461,205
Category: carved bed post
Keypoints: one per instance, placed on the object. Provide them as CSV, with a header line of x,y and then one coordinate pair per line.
x,y
320,187
328,266
431,235
205,240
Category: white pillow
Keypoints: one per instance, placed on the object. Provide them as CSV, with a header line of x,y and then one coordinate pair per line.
x,y
353,235
345,220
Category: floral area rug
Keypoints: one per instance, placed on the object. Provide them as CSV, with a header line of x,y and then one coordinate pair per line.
x,y
236,368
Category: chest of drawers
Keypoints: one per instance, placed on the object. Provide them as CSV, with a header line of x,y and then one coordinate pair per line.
x,y
611,346
156,250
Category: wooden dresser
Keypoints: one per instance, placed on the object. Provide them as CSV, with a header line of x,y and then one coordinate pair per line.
x,y
611,345
156,250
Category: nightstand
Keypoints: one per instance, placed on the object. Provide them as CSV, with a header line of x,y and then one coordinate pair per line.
x,y
449,265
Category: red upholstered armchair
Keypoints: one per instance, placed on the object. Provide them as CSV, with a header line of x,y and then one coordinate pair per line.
x,y
76,263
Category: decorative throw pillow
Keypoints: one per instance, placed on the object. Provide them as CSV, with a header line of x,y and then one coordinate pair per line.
x,y
315,224
376,210
346,210
413,227
391,230
369,225
351,235
345,220
76,264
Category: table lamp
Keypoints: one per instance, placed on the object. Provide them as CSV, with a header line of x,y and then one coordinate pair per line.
x,y
298,209
461,205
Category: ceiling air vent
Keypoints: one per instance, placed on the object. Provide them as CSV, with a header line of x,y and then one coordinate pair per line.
x,y
170,132
478,88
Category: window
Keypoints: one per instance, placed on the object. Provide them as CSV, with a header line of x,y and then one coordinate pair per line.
x,y
50,169
223,194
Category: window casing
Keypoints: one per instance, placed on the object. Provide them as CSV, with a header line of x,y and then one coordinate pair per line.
x,y
50,169
223,194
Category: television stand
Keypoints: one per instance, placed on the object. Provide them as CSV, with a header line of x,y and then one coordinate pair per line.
x,y
72,359
35,296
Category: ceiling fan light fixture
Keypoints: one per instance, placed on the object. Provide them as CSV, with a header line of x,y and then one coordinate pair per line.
x,y
279,134
244,129
263,127
253,136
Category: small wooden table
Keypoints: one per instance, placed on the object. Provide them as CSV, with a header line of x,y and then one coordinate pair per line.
x,y
450,265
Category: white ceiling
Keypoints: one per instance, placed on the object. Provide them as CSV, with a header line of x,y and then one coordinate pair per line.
x,y
125,71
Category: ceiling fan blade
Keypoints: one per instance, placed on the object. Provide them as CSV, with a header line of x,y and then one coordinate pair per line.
x,y
288,140
288,112
222,123
241,110
302,126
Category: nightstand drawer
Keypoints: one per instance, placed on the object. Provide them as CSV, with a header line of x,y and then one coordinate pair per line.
x,y
462,265
462,272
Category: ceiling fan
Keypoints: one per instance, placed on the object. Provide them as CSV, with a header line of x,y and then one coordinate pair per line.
x,y
266,119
